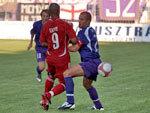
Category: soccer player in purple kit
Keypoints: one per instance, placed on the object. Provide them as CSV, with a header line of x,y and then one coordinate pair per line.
x,y
40,51
90,59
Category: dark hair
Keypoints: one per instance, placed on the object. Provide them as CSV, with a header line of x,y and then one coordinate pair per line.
x,y
88,15
54,9
44,10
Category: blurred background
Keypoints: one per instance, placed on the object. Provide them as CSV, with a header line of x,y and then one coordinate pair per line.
x,y
129,15
121,11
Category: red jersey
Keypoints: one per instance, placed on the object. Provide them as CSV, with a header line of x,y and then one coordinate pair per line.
x,y
57,33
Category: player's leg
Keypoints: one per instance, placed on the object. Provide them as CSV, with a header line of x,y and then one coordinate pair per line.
x,y
68,74
40,56
41,65
57,89
50,78
48,86
46,98
87,83
39,69
74,71
90,69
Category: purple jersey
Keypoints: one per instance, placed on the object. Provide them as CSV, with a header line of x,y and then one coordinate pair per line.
x,y
37,26
40,51
89,52
90,49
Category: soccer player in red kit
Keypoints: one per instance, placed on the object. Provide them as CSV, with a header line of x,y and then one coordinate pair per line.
x,y
56,33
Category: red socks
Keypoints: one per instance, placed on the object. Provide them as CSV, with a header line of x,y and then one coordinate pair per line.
x,y
56,90
48,84
59,88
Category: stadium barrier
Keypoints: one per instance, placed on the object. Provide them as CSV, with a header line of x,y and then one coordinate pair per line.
x,y
15,29
110,32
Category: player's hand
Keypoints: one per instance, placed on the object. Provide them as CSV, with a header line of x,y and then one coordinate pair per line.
x,y
29,47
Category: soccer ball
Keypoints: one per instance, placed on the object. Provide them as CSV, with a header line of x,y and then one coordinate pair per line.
x,y
104,69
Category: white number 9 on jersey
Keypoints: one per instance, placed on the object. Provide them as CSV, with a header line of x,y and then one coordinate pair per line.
x,y
55,40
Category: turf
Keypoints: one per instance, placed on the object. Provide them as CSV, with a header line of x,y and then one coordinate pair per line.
x,y
126,90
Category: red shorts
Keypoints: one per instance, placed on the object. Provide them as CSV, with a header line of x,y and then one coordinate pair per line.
x,y
58,71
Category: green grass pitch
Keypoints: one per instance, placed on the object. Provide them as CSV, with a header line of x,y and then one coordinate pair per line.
x,y
126,90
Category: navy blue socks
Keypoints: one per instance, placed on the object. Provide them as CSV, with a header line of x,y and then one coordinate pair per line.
x,y
69,89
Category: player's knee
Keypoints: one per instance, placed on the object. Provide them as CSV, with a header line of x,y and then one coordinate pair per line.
x,y
86,85
66,73
41,67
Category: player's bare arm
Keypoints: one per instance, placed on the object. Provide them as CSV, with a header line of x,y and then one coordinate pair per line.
x,y
31,41
76,46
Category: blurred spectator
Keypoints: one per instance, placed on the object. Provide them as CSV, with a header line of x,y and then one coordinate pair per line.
x,y
145,11
142,6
